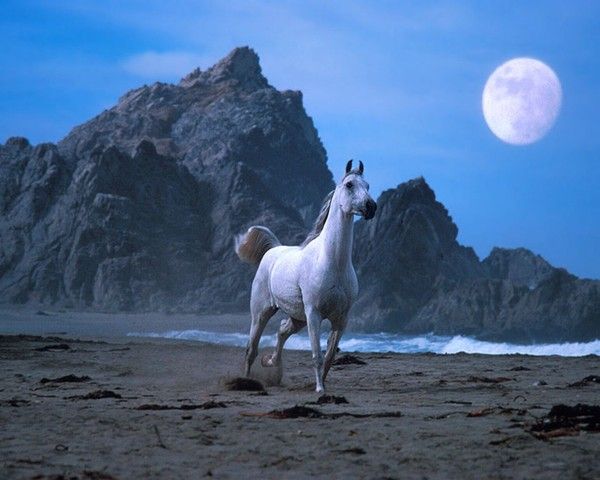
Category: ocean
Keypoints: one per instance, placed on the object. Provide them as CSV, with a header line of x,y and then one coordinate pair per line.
x,y
386,342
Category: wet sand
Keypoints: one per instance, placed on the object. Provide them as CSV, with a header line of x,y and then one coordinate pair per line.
x,y
140,408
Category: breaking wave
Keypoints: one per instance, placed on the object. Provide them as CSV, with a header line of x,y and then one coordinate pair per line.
x,y
385,342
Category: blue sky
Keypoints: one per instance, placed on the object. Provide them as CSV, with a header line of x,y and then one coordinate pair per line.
x,y
396,84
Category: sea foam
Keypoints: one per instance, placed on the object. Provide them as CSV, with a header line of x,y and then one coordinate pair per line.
x,y
385,342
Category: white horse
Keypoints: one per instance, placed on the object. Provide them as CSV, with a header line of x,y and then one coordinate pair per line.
x,y
310,282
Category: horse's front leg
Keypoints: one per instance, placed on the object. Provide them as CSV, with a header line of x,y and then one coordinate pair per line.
x,y
313,323
332,345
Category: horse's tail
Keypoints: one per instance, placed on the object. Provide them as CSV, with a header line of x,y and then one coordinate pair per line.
x,y
252,245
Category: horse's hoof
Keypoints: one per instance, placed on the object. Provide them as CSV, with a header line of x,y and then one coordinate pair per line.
x,y
267,361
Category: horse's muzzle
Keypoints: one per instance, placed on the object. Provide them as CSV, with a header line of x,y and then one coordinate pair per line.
x,y
370,209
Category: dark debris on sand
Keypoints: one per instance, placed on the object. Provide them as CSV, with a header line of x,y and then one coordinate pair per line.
x,y
473,378
16,402
297,411
301,411
586,381
95,475
520,368
501,410
354,451
565,420
96,395
324,399
348,359
39,339
85,475
56,347
243,384
66,379
201,406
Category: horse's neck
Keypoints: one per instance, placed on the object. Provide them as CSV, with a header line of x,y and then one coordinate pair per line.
x,y
337,236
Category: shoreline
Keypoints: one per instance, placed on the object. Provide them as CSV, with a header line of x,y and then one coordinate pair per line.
x,y
222,328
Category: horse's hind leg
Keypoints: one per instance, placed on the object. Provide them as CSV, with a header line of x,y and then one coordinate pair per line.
x,y
332,344
288,327
259,321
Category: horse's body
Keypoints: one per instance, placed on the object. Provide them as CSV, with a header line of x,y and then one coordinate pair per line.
x,y
310,282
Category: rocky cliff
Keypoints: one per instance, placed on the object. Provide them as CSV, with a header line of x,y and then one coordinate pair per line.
x,y
400,254
416,278
136,210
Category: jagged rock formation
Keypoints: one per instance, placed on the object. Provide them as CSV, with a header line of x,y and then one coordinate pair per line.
x,y
517,265
221,123
561,308
401,253
118,232
136,209
416,278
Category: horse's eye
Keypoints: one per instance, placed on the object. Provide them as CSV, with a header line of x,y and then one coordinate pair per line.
x,y
349,185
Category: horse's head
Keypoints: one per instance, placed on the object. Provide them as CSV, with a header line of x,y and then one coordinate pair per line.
x,y
353,193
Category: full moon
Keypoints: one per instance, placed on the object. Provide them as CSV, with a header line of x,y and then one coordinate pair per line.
x,y
521,101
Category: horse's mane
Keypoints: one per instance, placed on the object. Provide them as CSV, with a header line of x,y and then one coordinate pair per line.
x,y
324,213
320,221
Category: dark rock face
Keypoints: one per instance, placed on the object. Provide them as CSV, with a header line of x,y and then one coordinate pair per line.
x,y
416,278
137,208
117,233
222,123
561,308
519,265
401,253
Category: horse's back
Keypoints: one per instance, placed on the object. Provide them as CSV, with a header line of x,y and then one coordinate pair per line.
x,y
281,267
292,276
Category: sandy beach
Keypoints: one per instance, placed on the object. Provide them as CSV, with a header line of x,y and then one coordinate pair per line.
x,y
148,408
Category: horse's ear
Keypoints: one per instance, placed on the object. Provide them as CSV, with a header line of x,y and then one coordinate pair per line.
x,y
361,168
349,166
